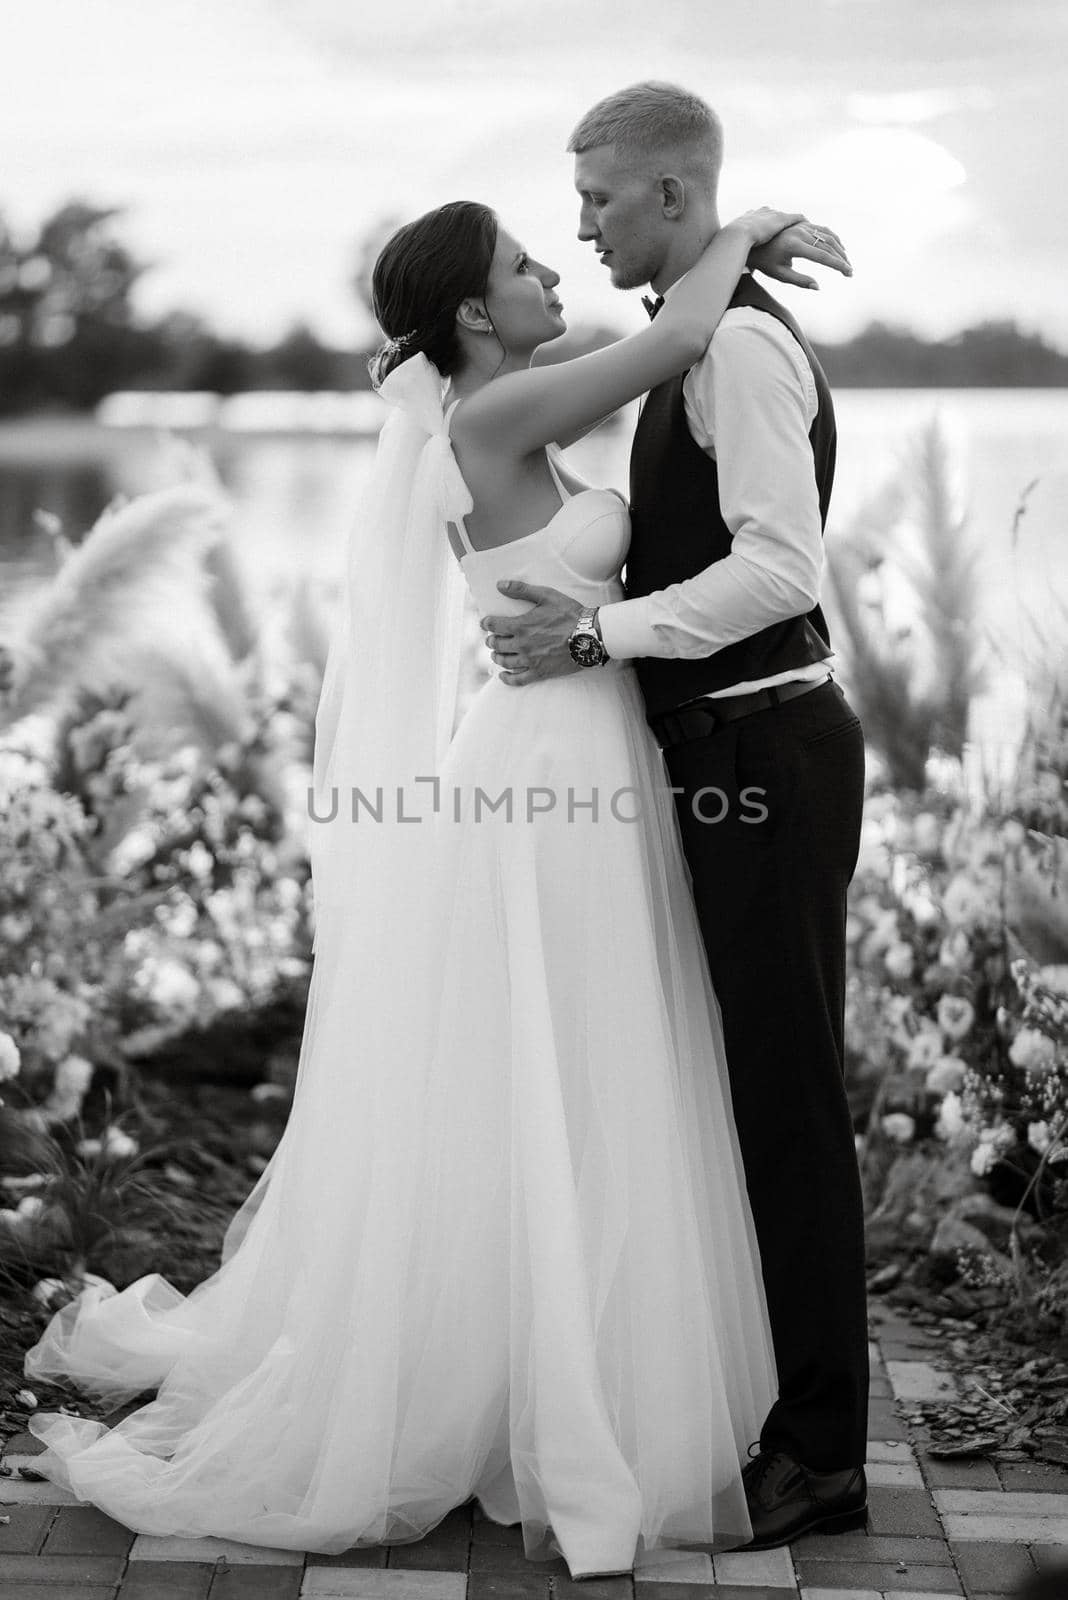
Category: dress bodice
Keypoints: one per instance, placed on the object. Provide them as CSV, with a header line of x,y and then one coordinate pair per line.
x,y
580,550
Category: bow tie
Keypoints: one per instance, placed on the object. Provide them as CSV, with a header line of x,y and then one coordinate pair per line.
x,y
652,306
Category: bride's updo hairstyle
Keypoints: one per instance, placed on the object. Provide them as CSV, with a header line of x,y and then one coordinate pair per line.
x,y
420,279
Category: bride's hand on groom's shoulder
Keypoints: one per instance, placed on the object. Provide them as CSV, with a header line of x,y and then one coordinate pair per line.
x,y
811,240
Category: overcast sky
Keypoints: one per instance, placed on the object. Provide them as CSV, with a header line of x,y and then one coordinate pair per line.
x,y
254,142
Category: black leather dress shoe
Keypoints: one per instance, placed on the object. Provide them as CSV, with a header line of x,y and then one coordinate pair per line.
x,y
786,1500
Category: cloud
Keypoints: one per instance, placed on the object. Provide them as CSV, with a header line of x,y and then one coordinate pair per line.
x,y
256,140
917,105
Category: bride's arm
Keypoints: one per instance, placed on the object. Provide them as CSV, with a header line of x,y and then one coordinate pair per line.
x,y
523,411
775,260
582,433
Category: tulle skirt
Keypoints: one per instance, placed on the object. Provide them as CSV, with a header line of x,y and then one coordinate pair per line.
x,y
503,1248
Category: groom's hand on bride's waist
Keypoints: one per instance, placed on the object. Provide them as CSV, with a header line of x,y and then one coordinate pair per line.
x,y
534,645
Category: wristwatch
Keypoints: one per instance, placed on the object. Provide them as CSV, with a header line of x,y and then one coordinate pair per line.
x,y
585,643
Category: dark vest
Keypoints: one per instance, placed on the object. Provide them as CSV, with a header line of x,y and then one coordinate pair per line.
x,y
677,531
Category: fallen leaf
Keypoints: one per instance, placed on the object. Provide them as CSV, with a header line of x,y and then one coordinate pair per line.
x,y
977,1445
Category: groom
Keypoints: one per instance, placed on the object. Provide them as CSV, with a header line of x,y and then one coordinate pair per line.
x,y
730,481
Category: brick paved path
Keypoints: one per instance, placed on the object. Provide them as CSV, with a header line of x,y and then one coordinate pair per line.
x,y
936,1528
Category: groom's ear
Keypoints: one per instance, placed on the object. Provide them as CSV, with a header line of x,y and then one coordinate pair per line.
x,y
472,315
672,197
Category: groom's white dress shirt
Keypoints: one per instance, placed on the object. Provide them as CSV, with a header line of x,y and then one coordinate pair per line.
x,y
750,403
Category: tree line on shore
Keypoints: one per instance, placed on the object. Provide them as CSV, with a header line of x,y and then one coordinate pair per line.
x,y
70,334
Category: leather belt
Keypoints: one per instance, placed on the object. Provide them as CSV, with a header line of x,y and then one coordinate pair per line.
x,y
700,717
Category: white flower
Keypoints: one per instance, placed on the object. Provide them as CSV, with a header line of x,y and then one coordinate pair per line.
x,y
921,907
18,771
946,1075
254,808
926,834
14,929
132,851
72,1078
137,943
292,967
899,1126
225,912
185,760
26,1399
225,994
10,1059
896,1008
1012,833
180,918
950,1123
117,1143
1039,1137
288,891
170,985
31,1205
1055,978
1032,1050
33,1180
210,955
925,1049
899,960
268,1091
882,806
955,951
89,1147
984,1157
200,859
47,1290
992,1141
882,935
963,902
955,1016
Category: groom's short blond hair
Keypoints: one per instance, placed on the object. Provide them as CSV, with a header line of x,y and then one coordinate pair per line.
x,y
653,117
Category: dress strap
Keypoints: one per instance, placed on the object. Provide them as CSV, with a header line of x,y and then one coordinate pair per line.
x,y
562,488
459,523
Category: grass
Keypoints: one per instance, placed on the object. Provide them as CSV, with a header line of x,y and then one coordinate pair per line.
x,y
164,1211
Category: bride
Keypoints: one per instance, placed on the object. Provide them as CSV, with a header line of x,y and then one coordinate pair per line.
x,y
503,1248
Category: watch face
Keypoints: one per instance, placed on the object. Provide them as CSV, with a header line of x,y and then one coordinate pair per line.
x,y
587,650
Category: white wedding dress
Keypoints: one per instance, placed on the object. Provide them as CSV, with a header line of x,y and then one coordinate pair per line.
x,y
502,1250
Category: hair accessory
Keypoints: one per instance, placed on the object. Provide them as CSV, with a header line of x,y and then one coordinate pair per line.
x,y
396,347
387,354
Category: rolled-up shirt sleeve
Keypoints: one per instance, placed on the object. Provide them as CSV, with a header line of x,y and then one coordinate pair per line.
x,y
750,402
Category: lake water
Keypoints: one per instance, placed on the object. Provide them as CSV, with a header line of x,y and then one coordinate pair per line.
x,y
294,495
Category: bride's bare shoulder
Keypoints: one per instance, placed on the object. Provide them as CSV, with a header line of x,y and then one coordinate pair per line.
x,y
489,468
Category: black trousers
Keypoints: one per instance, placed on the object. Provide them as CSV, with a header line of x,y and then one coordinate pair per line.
x,y
770,867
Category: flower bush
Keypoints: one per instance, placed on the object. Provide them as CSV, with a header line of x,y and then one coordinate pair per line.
x,y
155,902
959,1032
145,902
